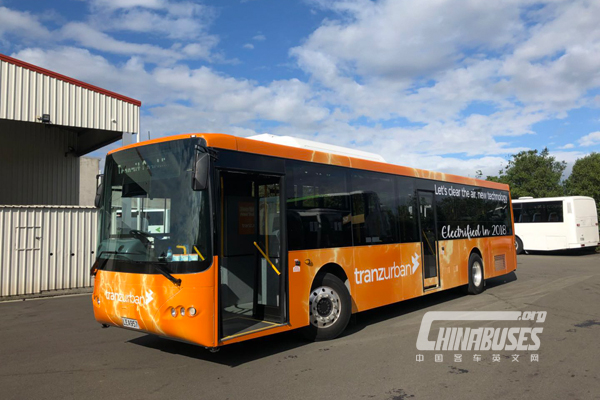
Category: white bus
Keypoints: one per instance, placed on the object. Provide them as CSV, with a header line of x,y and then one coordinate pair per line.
x,y
555,223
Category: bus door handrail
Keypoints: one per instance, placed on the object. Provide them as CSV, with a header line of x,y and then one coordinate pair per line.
x,y
267,258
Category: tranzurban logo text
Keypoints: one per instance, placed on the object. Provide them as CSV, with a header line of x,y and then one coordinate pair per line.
x,y
382,274
130,298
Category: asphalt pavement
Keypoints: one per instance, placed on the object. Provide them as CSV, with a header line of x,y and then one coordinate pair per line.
x,y
54,349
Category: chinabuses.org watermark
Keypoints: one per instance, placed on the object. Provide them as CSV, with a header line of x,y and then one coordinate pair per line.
x,y
512,337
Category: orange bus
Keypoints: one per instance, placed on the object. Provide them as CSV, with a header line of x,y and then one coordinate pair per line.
x,y
214,239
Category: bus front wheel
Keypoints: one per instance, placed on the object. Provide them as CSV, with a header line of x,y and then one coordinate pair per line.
x,y
476,278
518,245
330,309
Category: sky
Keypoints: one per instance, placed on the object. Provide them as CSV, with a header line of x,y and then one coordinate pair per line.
x,y
447,85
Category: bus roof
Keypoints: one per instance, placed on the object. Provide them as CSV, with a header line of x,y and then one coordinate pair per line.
x,y
230,142
536,199
318,146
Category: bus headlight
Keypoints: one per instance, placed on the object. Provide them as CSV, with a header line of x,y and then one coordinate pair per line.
x,y
191,311
173,312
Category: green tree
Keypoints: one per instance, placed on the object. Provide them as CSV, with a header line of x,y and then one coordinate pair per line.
x,y
585,178
532,173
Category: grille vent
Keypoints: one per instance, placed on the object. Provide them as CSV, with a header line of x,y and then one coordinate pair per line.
x,y
500,262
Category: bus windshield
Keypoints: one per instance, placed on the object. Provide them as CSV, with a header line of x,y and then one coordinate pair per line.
x,y
149,212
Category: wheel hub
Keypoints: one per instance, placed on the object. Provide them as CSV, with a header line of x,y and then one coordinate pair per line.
x,y
477,273
325,306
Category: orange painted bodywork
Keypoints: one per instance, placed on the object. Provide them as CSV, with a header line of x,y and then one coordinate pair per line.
x,y
386,284
196,290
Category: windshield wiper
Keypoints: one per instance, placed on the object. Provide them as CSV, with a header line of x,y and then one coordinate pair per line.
x,y
162,268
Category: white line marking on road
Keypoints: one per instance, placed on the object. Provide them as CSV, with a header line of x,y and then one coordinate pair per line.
x,y
46,298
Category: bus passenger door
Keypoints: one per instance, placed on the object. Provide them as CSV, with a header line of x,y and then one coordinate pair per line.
x,y
428,237
252,257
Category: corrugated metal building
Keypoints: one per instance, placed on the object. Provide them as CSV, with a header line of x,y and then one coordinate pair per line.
x,y
48,121
46,248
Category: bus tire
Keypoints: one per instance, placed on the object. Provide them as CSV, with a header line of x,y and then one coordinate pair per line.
x,y
476,278
330,309
518,245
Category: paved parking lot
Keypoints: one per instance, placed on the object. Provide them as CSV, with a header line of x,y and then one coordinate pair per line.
x,y
54,349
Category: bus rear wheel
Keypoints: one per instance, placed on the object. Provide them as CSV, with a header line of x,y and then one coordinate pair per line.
x,y
330,309
476,277
518,245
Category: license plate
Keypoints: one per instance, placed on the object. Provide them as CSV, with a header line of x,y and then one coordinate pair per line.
x,y
130,323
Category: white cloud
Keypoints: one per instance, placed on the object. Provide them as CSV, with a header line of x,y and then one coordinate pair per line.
x,y
401,39
185,23
259,37
567,146
91,38
175,24
182,20
248,46
412,60
400,59
119,4
591,139
21,23
560,61
569,157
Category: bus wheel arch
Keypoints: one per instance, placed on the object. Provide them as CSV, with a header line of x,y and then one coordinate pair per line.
x,y
334,269
518,245
476,272
330,304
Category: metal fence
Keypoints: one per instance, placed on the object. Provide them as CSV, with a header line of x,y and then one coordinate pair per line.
x,y
44,248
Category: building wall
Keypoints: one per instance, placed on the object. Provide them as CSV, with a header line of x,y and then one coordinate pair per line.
x,y
36,166
45,248
27,92
47,241
88,169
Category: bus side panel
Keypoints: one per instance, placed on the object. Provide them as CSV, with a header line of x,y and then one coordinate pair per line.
x,y
301,277
498,254
386,274
377,275
501,256
453,259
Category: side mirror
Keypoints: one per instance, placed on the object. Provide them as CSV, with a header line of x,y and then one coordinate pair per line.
x,y
99,191
200,178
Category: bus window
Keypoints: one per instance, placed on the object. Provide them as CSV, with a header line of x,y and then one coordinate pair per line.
x,y
517,208
538,212
407,225
554,210
318,207
373,208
